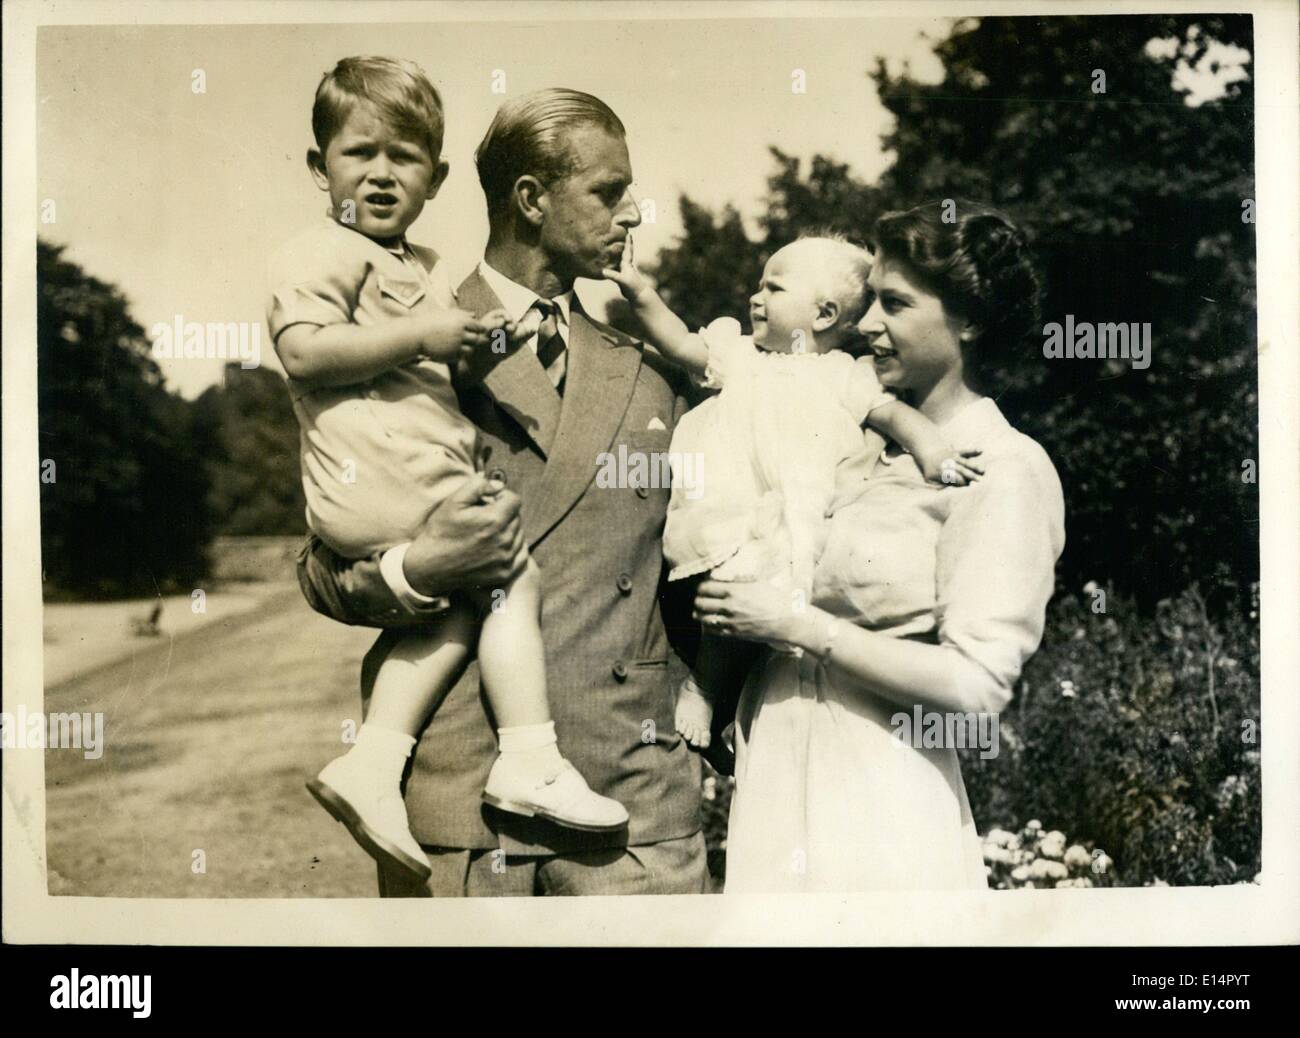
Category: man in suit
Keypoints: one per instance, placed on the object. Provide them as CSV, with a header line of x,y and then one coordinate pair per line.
x,y
555,171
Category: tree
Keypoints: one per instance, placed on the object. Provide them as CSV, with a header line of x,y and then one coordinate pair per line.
x,y
1134,199
123,485
256,481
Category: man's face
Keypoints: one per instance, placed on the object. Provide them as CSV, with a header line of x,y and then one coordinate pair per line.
x,y
589,212
378,177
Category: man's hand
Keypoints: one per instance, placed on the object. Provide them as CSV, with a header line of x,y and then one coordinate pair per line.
x,y
471,540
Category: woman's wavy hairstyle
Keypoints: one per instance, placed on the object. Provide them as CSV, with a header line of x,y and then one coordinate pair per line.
x,y
980,266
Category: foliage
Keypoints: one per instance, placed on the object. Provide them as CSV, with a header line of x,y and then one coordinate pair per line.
x,y
1141,735
1036,857
124,511
1134,200
256,486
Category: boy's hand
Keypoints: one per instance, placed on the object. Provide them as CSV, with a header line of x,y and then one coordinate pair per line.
x,y
449,335
631,282
950,466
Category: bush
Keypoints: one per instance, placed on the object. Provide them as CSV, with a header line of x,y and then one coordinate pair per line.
x,y
1139,732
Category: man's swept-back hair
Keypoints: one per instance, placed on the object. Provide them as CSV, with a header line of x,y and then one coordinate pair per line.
x,y
526,138
397,89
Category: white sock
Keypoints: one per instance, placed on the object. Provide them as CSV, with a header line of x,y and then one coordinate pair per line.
x,y
536,741
386,749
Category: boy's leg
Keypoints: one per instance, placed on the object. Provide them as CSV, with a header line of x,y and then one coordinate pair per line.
x,y
530,777
362,788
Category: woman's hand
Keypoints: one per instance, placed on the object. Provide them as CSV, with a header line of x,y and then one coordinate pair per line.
x,y
756,611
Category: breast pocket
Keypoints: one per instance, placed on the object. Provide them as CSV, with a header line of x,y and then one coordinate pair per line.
x,y
400,295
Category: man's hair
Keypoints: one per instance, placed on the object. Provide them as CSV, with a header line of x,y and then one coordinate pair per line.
x,y
398,90
527,138
847,266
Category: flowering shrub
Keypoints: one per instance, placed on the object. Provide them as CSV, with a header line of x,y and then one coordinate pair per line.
x,y
1140,733
1035,857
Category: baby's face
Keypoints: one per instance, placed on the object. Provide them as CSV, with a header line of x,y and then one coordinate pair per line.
x,y
378,177
783,309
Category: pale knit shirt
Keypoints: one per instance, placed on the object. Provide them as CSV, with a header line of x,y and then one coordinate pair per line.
x,y
517,301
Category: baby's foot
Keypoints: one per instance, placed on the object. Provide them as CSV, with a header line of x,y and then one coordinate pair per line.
x,y
694,717
350,789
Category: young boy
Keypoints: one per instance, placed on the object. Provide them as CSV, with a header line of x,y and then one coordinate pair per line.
x,y
793,405
367,328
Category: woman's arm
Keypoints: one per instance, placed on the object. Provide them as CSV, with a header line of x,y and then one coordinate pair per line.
x,y
906,672
994,574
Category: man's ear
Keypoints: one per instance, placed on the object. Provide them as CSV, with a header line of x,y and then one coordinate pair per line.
x,y
828,313
530,199
316,163
440,172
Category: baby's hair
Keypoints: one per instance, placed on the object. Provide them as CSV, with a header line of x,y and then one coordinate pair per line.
x,y
980,266
527,137
848,266
397,89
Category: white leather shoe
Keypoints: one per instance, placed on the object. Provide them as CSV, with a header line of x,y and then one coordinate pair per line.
x,y
376,817
562,795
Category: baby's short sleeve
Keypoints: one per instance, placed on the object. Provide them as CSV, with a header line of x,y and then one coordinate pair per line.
x,y
729,351
313,281
861,391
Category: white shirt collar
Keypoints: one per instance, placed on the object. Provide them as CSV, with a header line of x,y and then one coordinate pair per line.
x,y
517,299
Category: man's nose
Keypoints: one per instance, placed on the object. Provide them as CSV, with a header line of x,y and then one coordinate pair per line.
x,y
629,212
380,171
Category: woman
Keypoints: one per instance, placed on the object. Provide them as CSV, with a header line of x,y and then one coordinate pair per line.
x,y
924,594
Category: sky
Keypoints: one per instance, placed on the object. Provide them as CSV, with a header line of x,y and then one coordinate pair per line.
x,y
179,197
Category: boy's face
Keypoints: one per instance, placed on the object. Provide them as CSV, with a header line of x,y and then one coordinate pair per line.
x,y
378,177
786,309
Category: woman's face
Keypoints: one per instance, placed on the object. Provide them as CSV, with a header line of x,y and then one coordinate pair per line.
x,y
916,341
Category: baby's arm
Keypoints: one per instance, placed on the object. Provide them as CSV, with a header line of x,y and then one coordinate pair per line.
x,y
938,460
344,353
665,329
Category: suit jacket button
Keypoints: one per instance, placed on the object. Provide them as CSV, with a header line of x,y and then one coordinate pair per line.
x,y
642,491
497,475
624,583
620,670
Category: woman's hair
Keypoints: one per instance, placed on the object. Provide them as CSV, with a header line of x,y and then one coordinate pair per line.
x,y
527,138
980,267
398,90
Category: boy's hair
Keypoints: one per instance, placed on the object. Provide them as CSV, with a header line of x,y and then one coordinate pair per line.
x,y
527,137
847,266
397,89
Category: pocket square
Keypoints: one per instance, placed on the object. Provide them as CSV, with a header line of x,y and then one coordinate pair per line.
x,y
655,423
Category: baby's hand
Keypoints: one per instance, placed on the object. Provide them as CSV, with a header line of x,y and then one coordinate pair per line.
x,y
449,335
950,466
631,282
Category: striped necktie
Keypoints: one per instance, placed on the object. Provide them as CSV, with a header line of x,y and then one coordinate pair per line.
x,y
550,344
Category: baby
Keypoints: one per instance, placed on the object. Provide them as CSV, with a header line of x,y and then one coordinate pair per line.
x,y
793,405
367,328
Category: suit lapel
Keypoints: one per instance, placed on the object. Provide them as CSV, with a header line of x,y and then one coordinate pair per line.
x,y
515,379
601,377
